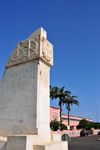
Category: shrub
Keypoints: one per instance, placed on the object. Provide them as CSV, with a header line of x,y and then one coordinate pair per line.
x,y
63,126
54,125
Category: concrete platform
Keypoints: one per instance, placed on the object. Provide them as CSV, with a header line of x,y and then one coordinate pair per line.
x,y
3,143
34,142
51,146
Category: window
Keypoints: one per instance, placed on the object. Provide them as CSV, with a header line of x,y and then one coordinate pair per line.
x,y
54,116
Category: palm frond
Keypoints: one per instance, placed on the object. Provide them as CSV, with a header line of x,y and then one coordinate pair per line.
x,y
62,89
76,102
74,96
68,92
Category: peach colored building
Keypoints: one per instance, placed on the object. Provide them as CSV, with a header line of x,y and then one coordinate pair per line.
x,y
74,120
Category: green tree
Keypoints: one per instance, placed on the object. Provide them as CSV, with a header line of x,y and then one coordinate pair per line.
x,y
85,124
59,93
96,125
69,100
89,125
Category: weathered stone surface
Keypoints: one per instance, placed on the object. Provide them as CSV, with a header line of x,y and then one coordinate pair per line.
x,y
36,46
55,137
22,142
51,146
37,32
24,93
16,143
18,95
3,143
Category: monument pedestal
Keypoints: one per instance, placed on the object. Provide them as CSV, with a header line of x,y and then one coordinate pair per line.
x,y
24,95
32,142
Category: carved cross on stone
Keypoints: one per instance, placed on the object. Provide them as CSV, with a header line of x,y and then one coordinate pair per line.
x,y
30,48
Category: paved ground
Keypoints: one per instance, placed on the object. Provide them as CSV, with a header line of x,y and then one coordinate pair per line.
x,y
85,143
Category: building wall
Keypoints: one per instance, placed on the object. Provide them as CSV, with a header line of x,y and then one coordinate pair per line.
x,y
54,113
74,120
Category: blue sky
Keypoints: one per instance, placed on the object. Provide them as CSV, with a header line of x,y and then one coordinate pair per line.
x,y
73,27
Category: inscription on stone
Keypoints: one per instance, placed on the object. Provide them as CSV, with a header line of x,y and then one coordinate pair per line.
x,y
21,79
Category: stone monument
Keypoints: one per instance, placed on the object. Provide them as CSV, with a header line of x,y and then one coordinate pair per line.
x,y
24,97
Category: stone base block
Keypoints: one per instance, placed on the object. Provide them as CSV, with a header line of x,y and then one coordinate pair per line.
x,y
55,137
52,146
3,143
22,142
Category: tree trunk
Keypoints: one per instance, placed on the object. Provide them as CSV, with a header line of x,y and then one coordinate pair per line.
x,y
69,115
60,116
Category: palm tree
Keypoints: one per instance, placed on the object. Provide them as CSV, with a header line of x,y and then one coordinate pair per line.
x,y
70,100
56,92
